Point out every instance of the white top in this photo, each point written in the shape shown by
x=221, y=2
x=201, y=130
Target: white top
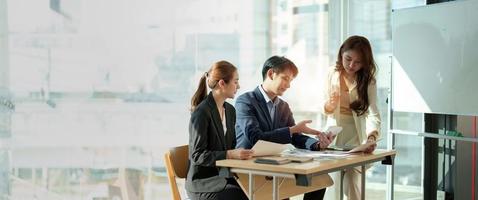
x=224, y=122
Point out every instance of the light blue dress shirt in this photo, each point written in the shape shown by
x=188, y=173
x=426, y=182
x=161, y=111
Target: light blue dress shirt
x=271, y=104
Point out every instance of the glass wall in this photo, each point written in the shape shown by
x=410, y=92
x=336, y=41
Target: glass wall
x=300, y=30
x=409, y=163
x=372, y=19
x=101, y=89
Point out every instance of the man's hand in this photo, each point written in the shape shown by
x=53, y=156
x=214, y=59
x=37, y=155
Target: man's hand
x=240, y=154
x=301, y=127
x=324, y=140
x=331, y=136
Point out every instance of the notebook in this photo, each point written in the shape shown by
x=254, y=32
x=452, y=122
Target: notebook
x=275, y=160
x=272, y=160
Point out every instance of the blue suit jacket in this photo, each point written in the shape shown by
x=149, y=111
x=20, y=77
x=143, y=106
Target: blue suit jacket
x=253, y=123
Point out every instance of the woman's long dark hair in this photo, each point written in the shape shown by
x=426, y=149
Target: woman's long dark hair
x=221, y=70
x=365, y=76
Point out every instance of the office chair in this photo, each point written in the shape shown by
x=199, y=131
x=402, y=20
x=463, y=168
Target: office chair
x=176, y=160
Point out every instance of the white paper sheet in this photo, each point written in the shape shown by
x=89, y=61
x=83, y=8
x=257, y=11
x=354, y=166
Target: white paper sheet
x=314, y=154
x=362, y=147
x=265, y=148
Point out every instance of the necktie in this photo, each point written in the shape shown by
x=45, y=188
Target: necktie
x=272, y=111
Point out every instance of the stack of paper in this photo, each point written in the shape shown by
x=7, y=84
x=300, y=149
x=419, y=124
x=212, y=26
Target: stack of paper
x=265, y=148
x=313, y=154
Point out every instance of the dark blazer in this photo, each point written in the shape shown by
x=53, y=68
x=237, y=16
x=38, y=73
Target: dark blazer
x=207, y=143
x=254, y=123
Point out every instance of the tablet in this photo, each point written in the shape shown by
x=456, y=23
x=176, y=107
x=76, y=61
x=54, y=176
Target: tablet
x=334, y=130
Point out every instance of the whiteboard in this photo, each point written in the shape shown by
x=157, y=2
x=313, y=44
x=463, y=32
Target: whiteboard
x=435, y=58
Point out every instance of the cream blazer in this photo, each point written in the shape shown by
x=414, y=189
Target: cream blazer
x=364, y=124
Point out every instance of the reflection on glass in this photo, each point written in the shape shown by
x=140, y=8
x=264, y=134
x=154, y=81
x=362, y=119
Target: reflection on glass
x=101, y=89
x=408, y=165
x=371, y=19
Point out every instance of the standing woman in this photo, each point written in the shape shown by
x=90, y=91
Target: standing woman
x=212, y=136
x=350, y=102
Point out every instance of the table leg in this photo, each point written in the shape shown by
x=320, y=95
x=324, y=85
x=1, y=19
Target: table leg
x=363, y=182
x=342, y=173
x=251, y=186
x=275, y=190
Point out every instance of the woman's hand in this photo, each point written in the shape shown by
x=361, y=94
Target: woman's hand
x=332, y=102
x=240, y=154
x=370, y=149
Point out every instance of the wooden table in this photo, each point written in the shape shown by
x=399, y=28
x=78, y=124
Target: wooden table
x=263, y=180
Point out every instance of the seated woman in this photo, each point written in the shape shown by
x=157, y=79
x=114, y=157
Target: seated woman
x=212, y=136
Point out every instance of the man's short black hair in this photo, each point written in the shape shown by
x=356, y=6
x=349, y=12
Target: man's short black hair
x=278, y=64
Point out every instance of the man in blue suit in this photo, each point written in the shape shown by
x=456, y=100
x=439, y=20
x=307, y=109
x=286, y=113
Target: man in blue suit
x=262, y=115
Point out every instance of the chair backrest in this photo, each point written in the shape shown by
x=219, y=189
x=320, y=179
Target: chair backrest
x=176, y=160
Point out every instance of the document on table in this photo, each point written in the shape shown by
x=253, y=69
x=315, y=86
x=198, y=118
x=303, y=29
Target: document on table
x=362, y=147
x=353, y=149
x=314, y=154
x=265, y=148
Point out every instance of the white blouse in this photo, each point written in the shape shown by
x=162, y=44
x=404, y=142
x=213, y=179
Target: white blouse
x=224, y=122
